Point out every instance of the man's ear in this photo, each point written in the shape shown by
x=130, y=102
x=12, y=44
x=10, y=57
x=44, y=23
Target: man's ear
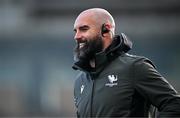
x=105, y=28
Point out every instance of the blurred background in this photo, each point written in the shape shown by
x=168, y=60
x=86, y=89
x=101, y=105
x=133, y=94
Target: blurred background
x=36, y=43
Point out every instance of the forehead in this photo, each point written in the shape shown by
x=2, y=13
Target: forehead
x=84, y=19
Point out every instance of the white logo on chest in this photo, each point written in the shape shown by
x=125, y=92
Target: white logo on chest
x=82, y=88
x=112, y=81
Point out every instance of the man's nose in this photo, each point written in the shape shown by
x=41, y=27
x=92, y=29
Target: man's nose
x=77, y=36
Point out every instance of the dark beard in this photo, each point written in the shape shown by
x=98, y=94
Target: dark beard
x=88, y=52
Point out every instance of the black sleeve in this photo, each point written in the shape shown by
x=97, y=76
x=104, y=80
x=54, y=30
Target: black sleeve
x=154, y=88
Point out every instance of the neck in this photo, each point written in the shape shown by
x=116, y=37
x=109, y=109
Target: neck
x=107, y=42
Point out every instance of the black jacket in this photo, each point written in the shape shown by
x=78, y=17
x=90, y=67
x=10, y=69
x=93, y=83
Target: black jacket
x=123, y=85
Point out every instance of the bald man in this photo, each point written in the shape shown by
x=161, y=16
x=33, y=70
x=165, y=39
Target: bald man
x=112, y=83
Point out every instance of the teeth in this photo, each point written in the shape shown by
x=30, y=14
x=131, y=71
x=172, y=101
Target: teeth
x=81, y=45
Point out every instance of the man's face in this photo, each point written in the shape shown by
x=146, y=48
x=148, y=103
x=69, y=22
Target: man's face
x=88, y=38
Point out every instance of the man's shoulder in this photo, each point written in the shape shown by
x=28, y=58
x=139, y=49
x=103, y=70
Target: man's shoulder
x=135, y=59
x=131, y=56
x=139, y=61
x=126, y=57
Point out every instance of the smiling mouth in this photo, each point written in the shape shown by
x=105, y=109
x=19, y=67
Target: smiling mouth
x=81, y=45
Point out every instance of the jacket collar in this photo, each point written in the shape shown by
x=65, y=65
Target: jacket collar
x=120, y=44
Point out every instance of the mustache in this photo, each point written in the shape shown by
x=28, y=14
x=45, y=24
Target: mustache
x=82, y=41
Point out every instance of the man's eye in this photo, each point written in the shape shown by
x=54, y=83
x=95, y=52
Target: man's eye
x=84, y=29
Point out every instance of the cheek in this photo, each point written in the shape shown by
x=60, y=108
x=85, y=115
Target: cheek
x=93, y=33
x=86, y=36
x=93, y=36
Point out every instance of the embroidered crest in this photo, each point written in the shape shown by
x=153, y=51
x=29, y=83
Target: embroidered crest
x=112, y=81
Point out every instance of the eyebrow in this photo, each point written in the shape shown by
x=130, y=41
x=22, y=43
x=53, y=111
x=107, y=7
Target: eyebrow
x=82, y=27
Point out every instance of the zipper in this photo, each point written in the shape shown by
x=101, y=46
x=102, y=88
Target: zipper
x=92, y=93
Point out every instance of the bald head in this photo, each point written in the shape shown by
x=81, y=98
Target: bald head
x=97, y=16
x=100, y=15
